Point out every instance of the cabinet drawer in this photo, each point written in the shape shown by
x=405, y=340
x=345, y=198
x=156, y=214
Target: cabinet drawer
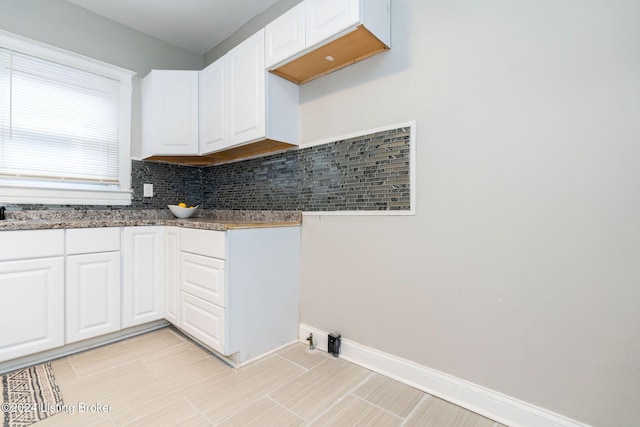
x=91, y=240
x=22, y=244
x=203, y=277
x=204, y=321
x=203, y=242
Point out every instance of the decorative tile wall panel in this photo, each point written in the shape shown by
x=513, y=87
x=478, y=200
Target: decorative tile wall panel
x=369, y=172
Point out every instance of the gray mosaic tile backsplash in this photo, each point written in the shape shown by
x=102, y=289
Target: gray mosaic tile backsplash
x=370, y=172
x=172, y=184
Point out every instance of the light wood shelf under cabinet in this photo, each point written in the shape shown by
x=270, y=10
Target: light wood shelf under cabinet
x=236, y=153
x=351, y=48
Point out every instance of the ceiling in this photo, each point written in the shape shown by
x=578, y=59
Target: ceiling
x=195, y=25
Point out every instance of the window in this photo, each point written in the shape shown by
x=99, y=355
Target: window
x=64, y=127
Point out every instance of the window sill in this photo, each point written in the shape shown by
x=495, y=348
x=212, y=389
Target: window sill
x=50, y=196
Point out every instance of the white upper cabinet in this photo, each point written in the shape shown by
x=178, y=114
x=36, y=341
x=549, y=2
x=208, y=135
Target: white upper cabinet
x=338, y=33
x=170, y=113
x=326, y=18
x=242, y=103
x=213, y=98
x=285, y=37
x=247, y=90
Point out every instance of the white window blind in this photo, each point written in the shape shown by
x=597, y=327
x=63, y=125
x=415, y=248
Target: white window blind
x=57, y=122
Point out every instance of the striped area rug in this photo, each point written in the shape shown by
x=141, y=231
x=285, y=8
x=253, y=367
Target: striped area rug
x=29, y=395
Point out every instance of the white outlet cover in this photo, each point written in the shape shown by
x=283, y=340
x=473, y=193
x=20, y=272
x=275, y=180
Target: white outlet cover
x=147, y=190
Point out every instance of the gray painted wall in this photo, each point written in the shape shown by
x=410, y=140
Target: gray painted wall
x=67, y=26
x=520, y=270
x=249, y=29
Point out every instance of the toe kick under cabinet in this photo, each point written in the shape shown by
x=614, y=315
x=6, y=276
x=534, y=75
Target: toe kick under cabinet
x=239, y=289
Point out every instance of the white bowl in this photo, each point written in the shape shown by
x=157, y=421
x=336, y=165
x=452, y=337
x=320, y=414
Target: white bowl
x=181, y=212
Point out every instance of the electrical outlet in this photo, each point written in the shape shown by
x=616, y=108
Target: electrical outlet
x=334, y=342
x=147, y=190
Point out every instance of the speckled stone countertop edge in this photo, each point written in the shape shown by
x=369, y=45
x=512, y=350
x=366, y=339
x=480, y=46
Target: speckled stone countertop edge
x=206, y=220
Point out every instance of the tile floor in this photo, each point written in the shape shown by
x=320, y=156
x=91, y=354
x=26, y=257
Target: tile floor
x=164, y=379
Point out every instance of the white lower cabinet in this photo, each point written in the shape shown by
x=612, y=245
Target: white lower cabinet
x=92, y=283
x=93, y=295
x=143, y=285
x=171, y=270
x=202, y=286
x=31, y=292
x=240, y=289
x=235, y=291
x=31, y=306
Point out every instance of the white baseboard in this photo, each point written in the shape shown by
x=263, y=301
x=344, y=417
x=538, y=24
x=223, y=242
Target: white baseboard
x=481, y=400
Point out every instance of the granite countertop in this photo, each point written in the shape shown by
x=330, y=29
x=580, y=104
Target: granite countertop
x=203, y=219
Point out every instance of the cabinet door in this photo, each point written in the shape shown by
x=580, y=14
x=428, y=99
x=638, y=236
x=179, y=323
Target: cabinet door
x=247, y=77
x=143, y=287
x=213, y=87
x=172, y=275
x=327, y=18
x=31, y=306
x=93, y=295
x=204, y=321
x=285, y=36
x=170, y=113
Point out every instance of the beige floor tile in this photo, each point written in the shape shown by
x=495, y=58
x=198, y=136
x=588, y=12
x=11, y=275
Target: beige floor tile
x=76, y=419
x=177, y=413
x=161, y=391
x=434, y=412
x=106, y=382
x=164, y=361
x=108, y=356
x=168, y=332
x=249, y=384
x=264, y=413
x=390, y=394
x=62, y=370
x=146, y=399
x=300, y=354
x=354, y=412
x=205, y=371
x=313, y=392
